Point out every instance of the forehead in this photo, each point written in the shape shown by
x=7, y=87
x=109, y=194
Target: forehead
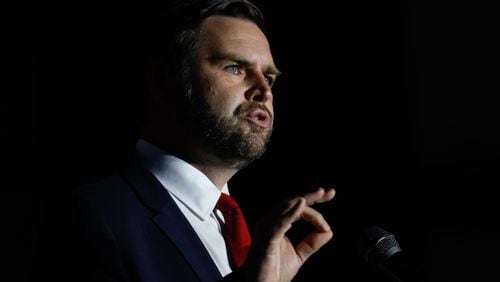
x=233, y=35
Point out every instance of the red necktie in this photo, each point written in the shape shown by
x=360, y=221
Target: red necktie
x=235, y=229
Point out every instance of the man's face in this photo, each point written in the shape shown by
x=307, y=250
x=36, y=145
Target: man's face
x=233, y=76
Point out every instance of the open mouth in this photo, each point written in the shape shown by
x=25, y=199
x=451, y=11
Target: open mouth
x=259, y=117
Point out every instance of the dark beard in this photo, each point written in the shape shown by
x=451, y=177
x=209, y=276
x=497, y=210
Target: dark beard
x=234, y=140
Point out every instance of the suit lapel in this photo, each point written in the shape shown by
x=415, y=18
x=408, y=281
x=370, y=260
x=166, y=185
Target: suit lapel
x=172, y=222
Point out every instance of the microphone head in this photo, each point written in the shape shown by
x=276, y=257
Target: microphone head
x=377, y=245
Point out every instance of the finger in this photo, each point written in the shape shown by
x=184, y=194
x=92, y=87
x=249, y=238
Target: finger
x=284, y=207
x=316, y=219
x=317, y=238
x=312, y=243
x=295, y=210
x=292, y=214
x=319, y=196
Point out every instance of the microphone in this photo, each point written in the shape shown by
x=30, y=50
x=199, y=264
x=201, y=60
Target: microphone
x=382, y=252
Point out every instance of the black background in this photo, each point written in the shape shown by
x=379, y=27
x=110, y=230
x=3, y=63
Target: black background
x=394, y=104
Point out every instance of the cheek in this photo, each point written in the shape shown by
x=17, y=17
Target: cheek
x=220, y=102
x=222, y=96
x=227, y=103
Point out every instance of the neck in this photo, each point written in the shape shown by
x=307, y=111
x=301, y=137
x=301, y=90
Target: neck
x=219, y=175
x=217, y=170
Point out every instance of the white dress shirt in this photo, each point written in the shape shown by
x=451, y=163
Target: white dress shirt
x=194, y=194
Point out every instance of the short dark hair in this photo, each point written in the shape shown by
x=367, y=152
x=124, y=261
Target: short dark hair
x=176, y=32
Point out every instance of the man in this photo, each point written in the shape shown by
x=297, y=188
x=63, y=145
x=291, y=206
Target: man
x=210, y=113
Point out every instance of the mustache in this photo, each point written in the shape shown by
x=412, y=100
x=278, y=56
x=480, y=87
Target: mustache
x=243, y=109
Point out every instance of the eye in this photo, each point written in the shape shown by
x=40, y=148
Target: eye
x=234, y=69
x=269, y=79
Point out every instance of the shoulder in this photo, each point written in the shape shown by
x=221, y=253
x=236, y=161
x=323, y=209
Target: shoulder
x=129, y=193
x=108, y=189
x=110, y=195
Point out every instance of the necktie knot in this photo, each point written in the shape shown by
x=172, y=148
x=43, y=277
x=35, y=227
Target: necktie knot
x=227, y=204
x=235, y=229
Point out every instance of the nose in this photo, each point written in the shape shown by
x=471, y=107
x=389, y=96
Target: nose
x=259, y=90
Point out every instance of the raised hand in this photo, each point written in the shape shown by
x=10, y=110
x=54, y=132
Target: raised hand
x=273, y=257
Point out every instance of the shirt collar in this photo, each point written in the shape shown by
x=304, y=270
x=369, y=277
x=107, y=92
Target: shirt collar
x=185, y=182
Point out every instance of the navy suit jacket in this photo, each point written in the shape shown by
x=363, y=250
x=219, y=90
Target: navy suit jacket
x=130, y=229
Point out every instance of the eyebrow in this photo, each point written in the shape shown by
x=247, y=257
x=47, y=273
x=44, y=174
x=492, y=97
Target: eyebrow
x=269, y=69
